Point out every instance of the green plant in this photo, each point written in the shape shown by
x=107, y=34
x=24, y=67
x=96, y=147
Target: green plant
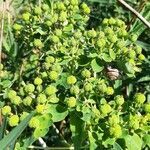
x=64, y=70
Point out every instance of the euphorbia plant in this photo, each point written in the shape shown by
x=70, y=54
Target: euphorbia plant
x=66, y=70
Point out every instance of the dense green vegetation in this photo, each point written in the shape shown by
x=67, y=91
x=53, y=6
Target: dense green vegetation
x=75, y=74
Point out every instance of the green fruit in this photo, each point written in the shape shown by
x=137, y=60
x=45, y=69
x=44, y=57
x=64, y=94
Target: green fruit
x=53, y=75
x=133, y=37
x=48, y=23
x=113, y=120
x=17, y=27
x=74, y=2
x=138, y=50
x=105, y=21
x=132, y=54
x=38, y=43
x=101, y=43
x=112, y=38
x=86, y=73
x=16, y=100
x=71, y=80
x=41, y=98
x=29, y=88
x=109, y=31
x=26, y=16
x=92, y=33
x=119, y=22
x=119, y=100
x=105, y=109
x=88, y=87
x=85, y=8
x=50, y=90
x=27, y=101
x=13, y=120
x=147, y=108
x=102, y=87
x=120, y=44
x=61, y=6
x=141, y=57
x=78, y=35
x=6, y=110
x=110, y=91
x=38, y=10
x=115, y=131
x=40, y=108
x=34, y=123
x=58, y=32
x=112, y=21
x=134, y=122
x=56, y=67
x=45, y=7
x=71, y=102
x=55, y=39
x=63, y=16
x=38, y=81
x=54, y=18
x=139, y=98
x=11, y=94
x=74, y=90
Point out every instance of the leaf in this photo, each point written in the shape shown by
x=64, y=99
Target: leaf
x=146, y=139
x=116, y=146
x=93, y=144
x=145, y=46
x=40, y=132
x=45, y=121
x=57, y=111
x=133, y=142
x=129, y=68
x=15, y=133
x=3, y=127
x=6, y=83
x=68, y=28
x=106, y=57
x=112, y=54
x=96, y=66
x=77, y=129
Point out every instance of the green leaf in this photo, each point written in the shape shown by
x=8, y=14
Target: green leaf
x=133, y=142
x=106, y=57
x=45, y=121
x=68, y=28
x=112, y=54
x=77, y=129
x=40, y=132
x=3, y=127
x=15, y=133
x=96, y=66
x=146, y=139
x=57, y=111
x=6, y=83
x=92, y=140
x=116, y=146
x=108, y=141
x=129, y=68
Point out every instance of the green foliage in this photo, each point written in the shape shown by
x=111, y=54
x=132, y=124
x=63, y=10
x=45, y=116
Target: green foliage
x=70, y=74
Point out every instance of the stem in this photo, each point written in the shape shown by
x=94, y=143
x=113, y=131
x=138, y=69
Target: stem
x=1, y=37
x=135, y=12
